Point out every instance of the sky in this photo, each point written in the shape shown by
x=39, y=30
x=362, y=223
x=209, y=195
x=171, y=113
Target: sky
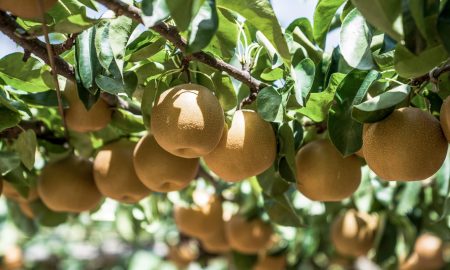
x=285, y=10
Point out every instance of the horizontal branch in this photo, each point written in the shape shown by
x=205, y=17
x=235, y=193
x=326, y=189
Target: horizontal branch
x=432, y=76
x=41, y=130
x=171, y=34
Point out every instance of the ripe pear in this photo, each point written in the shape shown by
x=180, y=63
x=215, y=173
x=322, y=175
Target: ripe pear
x=430, y=251
x=445, y=118
x=187, y=121
x=267, y=262
x=353, y=233
x=68, y=185
x=27, y=9
x=246, y=149
x=199, y=221
x=217, y=242
x=11, y=192
x=78, y=118
x=248, y=236
x=323, y=174
x=114, y=173
x=159, y=170
x=408, y=145
x=182, y=254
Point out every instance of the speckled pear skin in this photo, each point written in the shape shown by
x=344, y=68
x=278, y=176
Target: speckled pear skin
x=187, y=120
x=408, y=145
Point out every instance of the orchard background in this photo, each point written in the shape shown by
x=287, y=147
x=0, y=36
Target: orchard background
x=318, y=145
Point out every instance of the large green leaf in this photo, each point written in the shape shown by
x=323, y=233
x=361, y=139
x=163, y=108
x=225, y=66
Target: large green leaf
x=323, y=16
x=409, y=65
x=154, y=11
x=355, y=40
x=8, y=118
x=26, y=76
x=379, y=107
x=269, y=104
x=87, y=64
x=119, y=32
x=303, y=73
x=384, y=15
x=183, y=11
x=260, y=14
x=224, y=42
x=203, y=27
x=344, y=131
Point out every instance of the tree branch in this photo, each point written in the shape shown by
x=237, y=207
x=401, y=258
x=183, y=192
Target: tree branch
x=432, y=76
x=171, y=34
x=41, y=130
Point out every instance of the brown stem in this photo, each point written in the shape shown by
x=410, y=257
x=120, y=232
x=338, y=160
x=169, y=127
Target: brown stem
x=41, y=130
x=432, y=76
x=171, y=34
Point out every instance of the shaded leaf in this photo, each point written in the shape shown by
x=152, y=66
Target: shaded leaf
x=25, y=146
x=323, y=16
x=269, y=104
x=155, y=11
x=203, y=27
x=303, y=74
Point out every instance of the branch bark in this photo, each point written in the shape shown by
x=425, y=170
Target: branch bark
x=432, y=76
x=171, y=34
x=41, y=130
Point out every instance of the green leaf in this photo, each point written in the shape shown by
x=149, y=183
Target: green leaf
x=304, y=25
x=8, y=162
x=303, y=74
x=45, y=216
x=287, y=151
x=26, y=145
x=87, y=64
x=443, y=26
x=281, y=211
x=25, y=224
x=272, y=52
x=183, y=11
x=355, y=39
x=119, y=32
x=272, y=183
x=409, y=198
x=384, y=15
x=155, y=11
x=127, y=122
x=344, y=131
x=224, y=90
x=260, y=14
x=203, y=27
x=147, y=51
x=115, y=86
x=323, y=16
x=269, y=104
x=224, y=42
x=408, y=65
x=318, y=104
x=25, y=76
x=47, y=99
x=8, y=118
x=379, y=107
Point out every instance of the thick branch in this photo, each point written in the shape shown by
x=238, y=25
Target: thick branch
x=171, y=34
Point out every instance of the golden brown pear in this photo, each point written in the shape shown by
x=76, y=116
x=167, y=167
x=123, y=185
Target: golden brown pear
x=68, y=185
x=408, y=145
x=182, y=255
x=268, y=262
x=353, y=233
x=187, y=121
x=430, y=251
x=114, y=173
x=445, y=118
x=200, y=221
x=13, y=258
x=246, y=149
x=323, y=174
x=217, y=242
x=28, y=9
x=11, y=192
x=248, y=236
x=159, y=170
x=78, y=118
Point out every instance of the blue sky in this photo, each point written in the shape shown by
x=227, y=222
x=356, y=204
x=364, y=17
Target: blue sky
x=286, y=11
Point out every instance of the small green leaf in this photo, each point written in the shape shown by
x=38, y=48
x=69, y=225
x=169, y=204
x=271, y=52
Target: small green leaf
x=344, y=131
x=323, y=16
x=155, y=11
x=269, y=104
x=379, y=107
x=203, y=27
x=355, y=39
x=25, y=146
x=303, y=74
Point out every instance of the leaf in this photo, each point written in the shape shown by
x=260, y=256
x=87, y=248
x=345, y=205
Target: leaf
x=8, y=162
x=127, y=122
x=379, y=107
x=272, y=52
x=269, y=104
x=287, y=151
x=147, y=51
x=409, y=65
x=87, y=64
x=25, y=76
x=303, y=75
x=224, y=42
x=224, y=90
x=119, y=32
x=115, y=86
x=384, y=15
x=260, y=14
x=47, y=99
x=323, y=16
x=183, y=11
x=26, y=145
x=281, y=211
x=203, y=27
x=8, y=118
x=443, y=25
x=304, y=25
x=344, y=131
x=409, y=198
x=271, y=182
x=355, y=39
x=318, y=104
x=155, y=11
x=45, y=216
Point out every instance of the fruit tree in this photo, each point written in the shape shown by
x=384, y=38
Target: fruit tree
x=201, y=134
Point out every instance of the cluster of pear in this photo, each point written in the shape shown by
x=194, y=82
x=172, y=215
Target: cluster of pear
x=353, y=233
x=28, y=9
x=428, y=253
x=249, y=236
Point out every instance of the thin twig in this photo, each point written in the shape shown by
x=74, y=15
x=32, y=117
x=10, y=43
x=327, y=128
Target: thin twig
x=54, y=69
